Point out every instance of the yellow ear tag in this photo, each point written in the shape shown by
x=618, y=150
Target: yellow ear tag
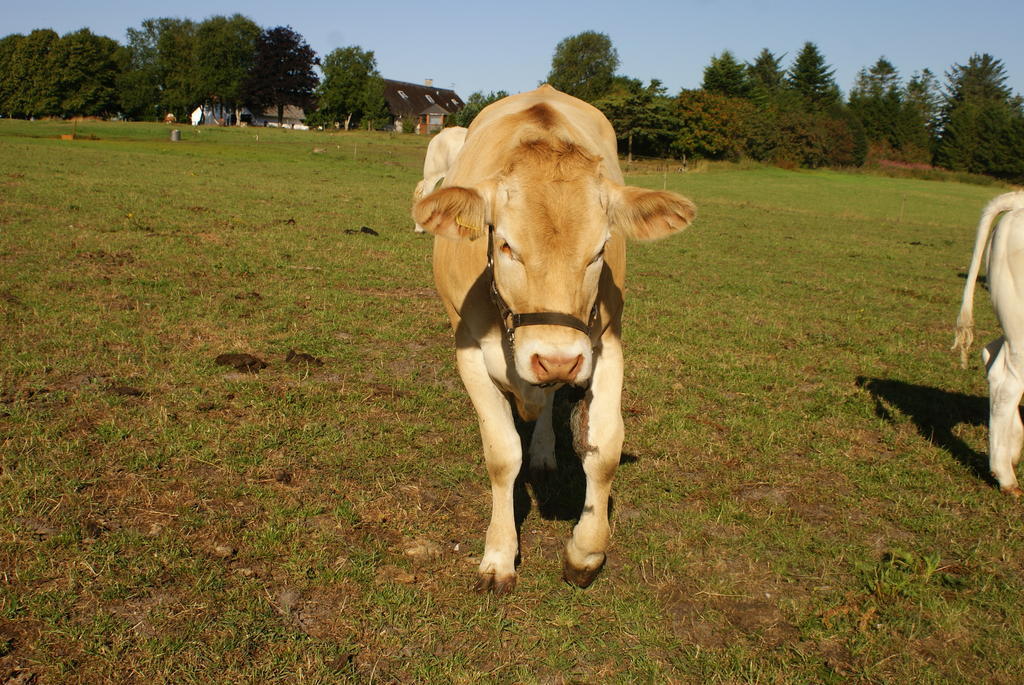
x=476, y=230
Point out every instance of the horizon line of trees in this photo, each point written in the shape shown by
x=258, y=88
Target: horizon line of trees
x=796, y=116
x=172, y=66
x=792, y=115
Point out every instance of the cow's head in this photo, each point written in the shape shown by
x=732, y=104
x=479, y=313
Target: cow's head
x=556, y=224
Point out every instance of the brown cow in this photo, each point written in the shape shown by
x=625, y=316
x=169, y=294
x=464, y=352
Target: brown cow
x=529, y=260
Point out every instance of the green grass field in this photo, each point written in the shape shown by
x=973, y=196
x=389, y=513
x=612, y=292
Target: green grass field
x=804, y=495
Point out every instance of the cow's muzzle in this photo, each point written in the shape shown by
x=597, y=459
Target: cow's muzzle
x=550, y=370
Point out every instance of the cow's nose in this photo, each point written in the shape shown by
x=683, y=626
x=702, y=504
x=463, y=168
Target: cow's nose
x=556, y=369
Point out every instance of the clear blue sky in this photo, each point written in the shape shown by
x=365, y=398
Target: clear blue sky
x=486, y=46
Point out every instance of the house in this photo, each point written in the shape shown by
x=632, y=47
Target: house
x=293, y=117
x=427, y=106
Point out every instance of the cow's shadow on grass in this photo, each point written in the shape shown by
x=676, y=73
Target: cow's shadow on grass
x=935, y=413
x=559, y=495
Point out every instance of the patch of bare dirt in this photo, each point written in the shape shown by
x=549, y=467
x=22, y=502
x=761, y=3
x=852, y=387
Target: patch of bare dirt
x=760, y=618
x=17, y=638
x=143, y=613
x=298, y=358
x=837, y=657
x=20, y=676
x=715, y=621
x=319, y=612
x=240, y=361
x=111, y=259
x=694, y=623
x=866, y=445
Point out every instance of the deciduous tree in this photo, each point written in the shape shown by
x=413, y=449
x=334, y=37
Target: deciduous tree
x=584, y=65
x=87, y=67
x=712, y=126
x=225, y=52
x=643, y=118
x=474, y=104
x=352, y=90
x=140, y=85
x=8, y=85
x=282, y=72
x=34, y=76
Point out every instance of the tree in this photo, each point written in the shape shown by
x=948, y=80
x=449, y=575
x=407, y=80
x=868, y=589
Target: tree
x=225, y=51
x=923, y=97
x=176, y=68
x=881, y=80
x=140, y=84
x=811, y=79
x=981, y=122
x=352, y=89
x=766, y=77
x=474, y=104
x=816, y=139
x=33, y=75
x=712, y=126
x=894, y=124
x=8, y=84
x=282, y=73
x=87, y=67
x=584, y=65
x=642, y=117
x=726, y=76
x=876, y=99
x=982, y=78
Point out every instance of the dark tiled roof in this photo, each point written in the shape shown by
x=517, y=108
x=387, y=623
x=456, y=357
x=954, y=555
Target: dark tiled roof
x=292, y=113
x=412, y=99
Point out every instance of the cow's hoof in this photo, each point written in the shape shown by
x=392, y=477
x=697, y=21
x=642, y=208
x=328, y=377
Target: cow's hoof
x=488, y=582
x=1013, y=490
x=580, y=577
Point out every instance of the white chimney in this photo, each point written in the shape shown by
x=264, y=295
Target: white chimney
x=429, y=83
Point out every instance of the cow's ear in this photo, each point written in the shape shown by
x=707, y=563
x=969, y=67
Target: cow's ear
x=648, y=214
x=453, y=213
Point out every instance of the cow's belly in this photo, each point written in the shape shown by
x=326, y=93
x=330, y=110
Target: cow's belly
x=1006, y=276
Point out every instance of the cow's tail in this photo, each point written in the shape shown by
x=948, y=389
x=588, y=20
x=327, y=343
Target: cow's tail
x=965, y=321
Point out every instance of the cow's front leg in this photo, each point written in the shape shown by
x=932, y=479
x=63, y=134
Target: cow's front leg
x=503, y=454
x=599, y=440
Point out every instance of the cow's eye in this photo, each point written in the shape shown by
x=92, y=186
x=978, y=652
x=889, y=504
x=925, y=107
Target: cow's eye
x=507, y=250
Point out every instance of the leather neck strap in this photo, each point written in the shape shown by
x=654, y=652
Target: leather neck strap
x=510, y=320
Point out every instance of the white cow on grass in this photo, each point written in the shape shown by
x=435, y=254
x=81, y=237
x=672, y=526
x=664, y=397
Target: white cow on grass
x=441, y=153
x=1003, y=357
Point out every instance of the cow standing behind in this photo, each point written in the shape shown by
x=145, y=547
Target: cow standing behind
x=1003, y=357
x=441, y=153
x=529, y=260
